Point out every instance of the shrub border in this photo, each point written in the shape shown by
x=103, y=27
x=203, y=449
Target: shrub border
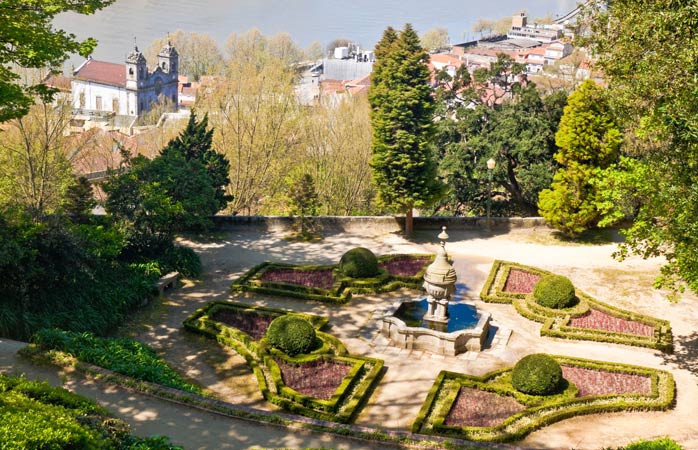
x=443, y=392
x=347, y=399
x=555, y=322
x=342, y=288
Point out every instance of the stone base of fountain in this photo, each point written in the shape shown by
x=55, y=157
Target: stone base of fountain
x=434, y=336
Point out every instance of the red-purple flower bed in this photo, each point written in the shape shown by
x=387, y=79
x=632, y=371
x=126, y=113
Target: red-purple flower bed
x=602, y=382
x=476, y=408
x=250, y=322
x=319, y=378
x=599, y=320
x=520, y=281
x=404, y=266
x=320, y=278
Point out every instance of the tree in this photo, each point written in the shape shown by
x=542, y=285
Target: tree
x=195, y=143
x=402, y=116
x=304, y=202
x=435, y=39
x=198, y=53
x=29, y=40
x=79, y=200
x=647, y=51
x=35, y=166
x=589, y=140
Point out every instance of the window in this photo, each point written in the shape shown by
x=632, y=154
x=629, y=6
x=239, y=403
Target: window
x=115, y=105
x=164, y=65
x=98, y=103
x=82, y=100
x=130, y=71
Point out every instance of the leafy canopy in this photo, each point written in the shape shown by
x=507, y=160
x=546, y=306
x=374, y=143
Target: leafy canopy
x=29, y=40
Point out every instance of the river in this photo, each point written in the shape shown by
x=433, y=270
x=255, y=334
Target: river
x=362, y=21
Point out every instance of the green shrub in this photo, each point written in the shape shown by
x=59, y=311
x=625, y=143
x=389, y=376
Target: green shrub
x=554, y=291
x=658, y=444
x=291, y=334
x=537, y=374
x=359, y=262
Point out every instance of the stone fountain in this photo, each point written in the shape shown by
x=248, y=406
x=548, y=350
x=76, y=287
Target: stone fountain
x=436, y=330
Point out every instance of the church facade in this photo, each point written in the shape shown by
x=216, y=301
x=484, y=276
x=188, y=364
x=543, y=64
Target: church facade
x=126, y=89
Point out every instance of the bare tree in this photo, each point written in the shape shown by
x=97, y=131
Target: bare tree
x=198, y=53
x=435, y=39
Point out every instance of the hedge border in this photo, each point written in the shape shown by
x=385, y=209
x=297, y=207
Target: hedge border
x=443, y=392
x=555, y=322
x=343, y=287
x=347, y=399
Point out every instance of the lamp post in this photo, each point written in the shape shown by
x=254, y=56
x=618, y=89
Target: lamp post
x=491, y=164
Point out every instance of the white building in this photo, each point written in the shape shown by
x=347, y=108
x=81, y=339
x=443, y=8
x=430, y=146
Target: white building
x=125, y=89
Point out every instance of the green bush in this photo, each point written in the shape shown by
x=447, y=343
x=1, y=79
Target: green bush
x=658, y=444
x=291, y=334
x=537, y=374
x=359, y=262
x=554, y=291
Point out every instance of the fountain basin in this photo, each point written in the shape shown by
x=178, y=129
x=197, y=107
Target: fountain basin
x=466, y=330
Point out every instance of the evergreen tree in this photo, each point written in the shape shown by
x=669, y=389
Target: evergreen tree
x=79, y=200
x=402, y=116
x=195, y=143
x=304, y=202
x=589, y=140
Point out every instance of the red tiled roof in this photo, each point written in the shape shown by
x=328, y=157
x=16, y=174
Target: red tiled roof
x=102, y=72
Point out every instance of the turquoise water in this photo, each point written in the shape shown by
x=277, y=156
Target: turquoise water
x=461, y=316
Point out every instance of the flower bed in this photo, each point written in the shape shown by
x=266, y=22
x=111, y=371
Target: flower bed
x=489, y=408
x=405, y=266
x=477, y=408
x=521, y=281
x=603, y=382
x=590, y=319
x=318, y=378
x=320, y=278
x=251, y=322
x=599, y=320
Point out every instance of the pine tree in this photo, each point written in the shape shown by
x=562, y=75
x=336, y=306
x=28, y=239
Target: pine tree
x=402, y=116
x=79, y=200
x=195, y=143
x=588, y=140
x=304, y=202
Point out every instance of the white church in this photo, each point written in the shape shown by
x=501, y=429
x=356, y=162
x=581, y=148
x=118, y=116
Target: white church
x=125, y=89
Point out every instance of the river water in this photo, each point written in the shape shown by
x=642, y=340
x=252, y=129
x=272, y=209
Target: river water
x=361, y=21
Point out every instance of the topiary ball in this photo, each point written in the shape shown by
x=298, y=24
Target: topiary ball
x=537, y=374
x=359, y=262
x=554, y=291
x=291, y=334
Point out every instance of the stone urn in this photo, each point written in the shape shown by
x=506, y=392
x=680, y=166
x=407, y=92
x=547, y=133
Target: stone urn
x=439, y=283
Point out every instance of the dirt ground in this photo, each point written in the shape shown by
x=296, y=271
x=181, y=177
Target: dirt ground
x=393, y=406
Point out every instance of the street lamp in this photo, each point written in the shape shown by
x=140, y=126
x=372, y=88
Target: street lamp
x=491, y=164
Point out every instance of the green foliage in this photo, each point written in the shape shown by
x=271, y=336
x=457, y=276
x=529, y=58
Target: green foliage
x=31, y=41
x=537, y=374
x=657, y=444
x=292, y=335
x=195, y=144
x=304, y=202
x=79, y=200
x=517, y=130
x=359, y=262
x=402, y=109
x=554, y=291
x=648, y=61
x=150, y=443
x=589, y=141
x=121, y=355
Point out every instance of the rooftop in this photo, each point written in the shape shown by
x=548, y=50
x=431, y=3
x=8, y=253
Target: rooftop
x=102, y=72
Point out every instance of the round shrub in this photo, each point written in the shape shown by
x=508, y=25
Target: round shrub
x=359, y=262
x=291, y=334
x=537, y=374
x=554, y=291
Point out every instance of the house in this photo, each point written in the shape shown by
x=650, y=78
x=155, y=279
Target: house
x=520, y=29
x=100, y=87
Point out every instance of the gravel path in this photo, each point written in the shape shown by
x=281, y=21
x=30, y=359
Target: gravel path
x=409, y=376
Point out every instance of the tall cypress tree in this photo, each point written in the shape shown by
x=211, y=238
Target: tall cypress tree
x=402, y=116
x=195, y=143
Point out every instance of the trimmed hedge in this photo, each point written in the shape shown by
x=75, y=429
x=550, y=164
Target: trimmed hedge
x=555, y=321
x=537, y=374
x=342, y=288
x=347, y=399
x=540, y=410
x=291, y=334
x=554, y=291
x=358, y=262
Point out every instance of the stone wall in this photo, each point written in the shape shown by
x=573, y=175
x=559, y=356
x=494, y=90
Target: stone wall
x=378, y=224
